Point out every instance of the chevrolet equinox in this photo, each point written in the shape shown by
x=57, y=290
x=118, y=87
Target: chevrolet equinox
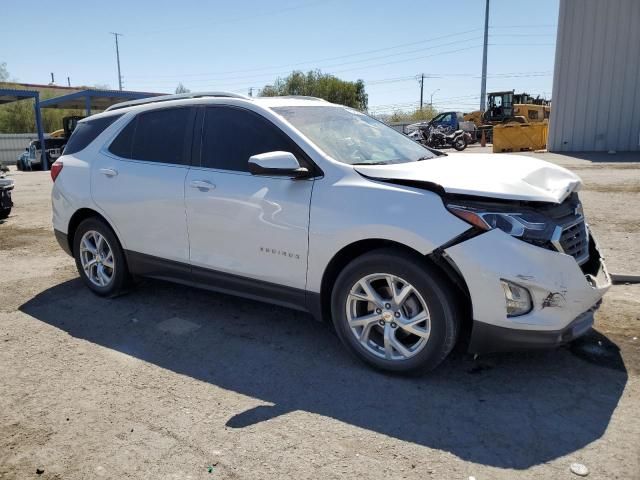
x=321, y=208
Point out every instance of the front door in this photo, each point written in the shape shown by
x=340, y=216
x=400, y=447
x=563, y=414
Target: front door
x=254, y=227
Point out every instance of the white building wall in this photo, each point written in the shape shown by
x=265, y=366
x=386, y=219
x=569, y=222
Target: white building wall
x=596, y=83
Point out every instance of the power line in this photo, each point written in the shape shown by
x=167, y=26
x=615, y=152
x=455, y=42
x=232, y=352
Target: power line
x=288, y=67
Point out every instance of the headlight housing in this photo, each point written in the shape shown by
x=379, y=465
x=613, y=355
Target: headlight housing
x=528, y=225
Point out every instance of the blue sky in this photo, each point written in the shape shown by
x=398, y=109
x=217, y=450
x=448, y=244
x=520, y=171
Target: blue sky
x=222, y=45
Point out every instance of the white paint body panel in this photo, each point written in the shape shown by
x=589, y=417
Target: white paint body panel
x=253, y=226
x=146, y=201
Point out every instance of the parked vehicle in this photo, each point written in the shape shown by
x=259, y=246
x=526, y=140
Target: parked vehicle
x=54, y=145
x=449, y=122
x=318, y=207
x=33, y=161
x=6, y=186
x=439, y=137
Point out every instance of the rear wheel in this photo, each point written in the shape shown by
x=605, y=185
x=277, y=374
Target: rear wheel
x=4, y=213
x=99, y=258
x=395, y=311
x=460, y=143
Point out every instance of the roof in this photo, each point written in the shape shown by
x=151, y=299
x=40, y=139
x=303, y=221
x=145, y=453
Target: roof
x=99, y=99
x=204, y=98
x=9, y=95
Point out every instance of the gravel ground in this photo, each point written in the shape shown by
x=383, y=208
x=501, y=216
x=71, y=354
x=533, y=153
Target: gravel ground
x=174, y=383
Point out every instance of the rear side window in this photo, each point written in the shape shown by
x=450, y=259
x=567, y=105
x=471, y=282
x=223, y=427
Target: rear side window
x=232, y=135
x=156, y=136
x=86, y=132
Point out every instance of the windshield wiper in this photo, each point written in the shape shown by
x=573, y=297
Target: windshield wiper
x=423, y=158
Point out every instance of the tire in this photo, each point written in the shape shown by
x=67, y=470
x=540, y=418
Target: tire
x=436, y=337
x=115, y=269
x=460, y=143
x=4, y=213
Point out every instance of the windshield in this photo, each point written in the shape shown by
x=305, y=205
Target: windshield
x=353, y=137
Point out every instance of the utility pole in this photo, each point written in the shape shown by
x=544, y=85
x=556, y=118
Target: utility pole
x=53, y=80
x=116, y=35
x=431, y=99
x=421, y=90
x=483, y=87
x=68, y=81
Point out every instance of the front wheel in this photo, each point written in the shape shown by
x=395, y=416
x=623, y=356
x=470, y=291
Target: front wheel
x=4, y=213
x=395, y=311
x=99, y=258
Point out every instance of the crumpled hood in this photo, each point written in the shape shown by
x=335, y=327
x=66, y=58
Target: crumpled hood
x=510, y=177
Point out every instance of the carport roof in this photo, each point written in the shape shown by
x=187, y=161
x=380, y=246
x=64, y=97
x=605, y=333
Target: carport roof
x=94, y=99
x=9, y=95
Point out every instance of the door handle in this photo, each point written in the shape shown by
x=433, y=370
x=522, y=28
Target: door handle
x=202, y=185
x=109, y=172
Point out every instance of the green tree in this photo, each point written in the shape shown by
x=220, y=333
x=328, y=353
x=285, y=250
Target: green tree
x=182, y=89
x=427, y=113
x=322, y=85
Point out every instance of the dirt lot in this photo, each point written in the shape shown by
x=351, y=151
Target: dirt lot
x=171, y=383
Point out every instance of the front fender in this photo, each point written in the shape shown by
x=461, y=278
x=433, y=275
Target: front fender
x=356, y=209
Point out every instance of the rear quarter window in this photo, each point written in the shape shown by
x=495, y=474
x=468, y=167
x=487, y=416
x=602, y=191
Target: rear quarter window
x=86, y=132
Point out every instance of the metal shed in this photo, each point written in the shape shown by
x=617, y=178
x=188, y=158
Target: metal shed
x=596, y=83
x=91, y=99
x=9, y=95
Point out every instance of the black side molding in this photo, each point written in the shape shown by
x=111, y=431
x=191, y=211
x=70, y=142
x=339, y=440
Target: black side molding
x=178, y=272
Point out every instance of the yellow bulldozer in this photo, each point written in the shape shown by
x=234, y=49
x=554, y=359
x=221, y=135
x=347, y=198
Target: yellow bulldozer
x=509, y=107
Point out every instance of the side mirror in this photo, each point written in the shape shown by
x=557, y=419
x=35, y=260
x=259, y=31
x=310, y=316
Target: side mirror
x=281, y=164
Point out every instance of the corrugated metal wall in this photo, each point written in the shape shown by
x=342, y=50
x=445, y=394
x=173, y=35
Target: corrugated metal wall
x=596, y=83
x=13, y=144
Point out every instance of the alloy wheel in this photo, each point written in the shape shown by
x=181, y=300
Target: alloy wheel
x=388, y=316
x=97, y=258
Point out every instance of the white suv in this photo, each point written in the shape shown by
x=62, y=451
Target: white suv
x=318, y=207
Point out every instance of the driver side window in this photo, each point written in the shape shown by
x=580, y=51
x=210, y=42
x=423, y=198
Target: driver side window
x=231, y=135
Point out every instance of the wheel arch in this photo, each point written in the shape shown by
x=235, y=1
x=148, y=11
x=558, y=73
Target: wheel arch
x=436, y=258
x=78, y=217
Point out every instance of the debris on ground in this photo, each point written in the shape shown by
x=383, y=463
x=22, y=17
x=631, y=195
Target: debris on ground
x=579, y=469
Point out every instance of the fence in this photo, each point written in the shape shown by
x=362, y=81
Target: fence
x=13, y=144
x=400, y=126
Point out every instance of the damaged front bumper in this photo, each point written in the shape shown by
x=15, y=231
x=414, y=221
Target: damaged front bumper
x=564, y=295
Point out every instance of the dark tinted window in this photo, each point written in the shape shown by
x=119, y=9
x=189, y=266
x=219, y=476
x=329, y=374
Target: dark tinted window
x=156, y=136
x=86, y=132
x=232, y=135
x=123, y=143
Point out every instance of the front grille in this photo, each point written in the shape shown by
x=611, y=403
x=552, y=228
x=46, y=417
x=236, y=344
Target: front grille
x=571, y=236
x=574, y=240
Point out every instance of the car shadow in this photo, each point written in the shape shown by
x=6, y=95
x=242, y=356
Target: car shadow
x=507, y=411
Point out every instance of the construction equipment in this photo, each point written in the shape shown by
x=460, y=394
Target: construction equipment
x=509, y=107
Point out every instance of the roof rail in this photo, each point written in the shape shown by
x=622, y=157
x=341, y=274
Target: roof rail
x=179, y=96
x=302, y=97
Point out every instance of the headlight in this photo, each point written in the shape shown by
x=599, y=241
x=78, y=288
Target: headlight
x=523, y=224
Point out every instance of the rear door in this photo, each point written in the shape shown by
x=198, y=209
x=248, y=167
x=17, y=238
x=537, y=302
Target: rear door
x=138, y=182
x=250, y=226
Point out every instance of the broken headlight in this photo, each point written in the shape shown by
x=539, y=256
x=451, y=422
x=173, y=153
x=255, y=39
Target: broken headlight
x=528, y=225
